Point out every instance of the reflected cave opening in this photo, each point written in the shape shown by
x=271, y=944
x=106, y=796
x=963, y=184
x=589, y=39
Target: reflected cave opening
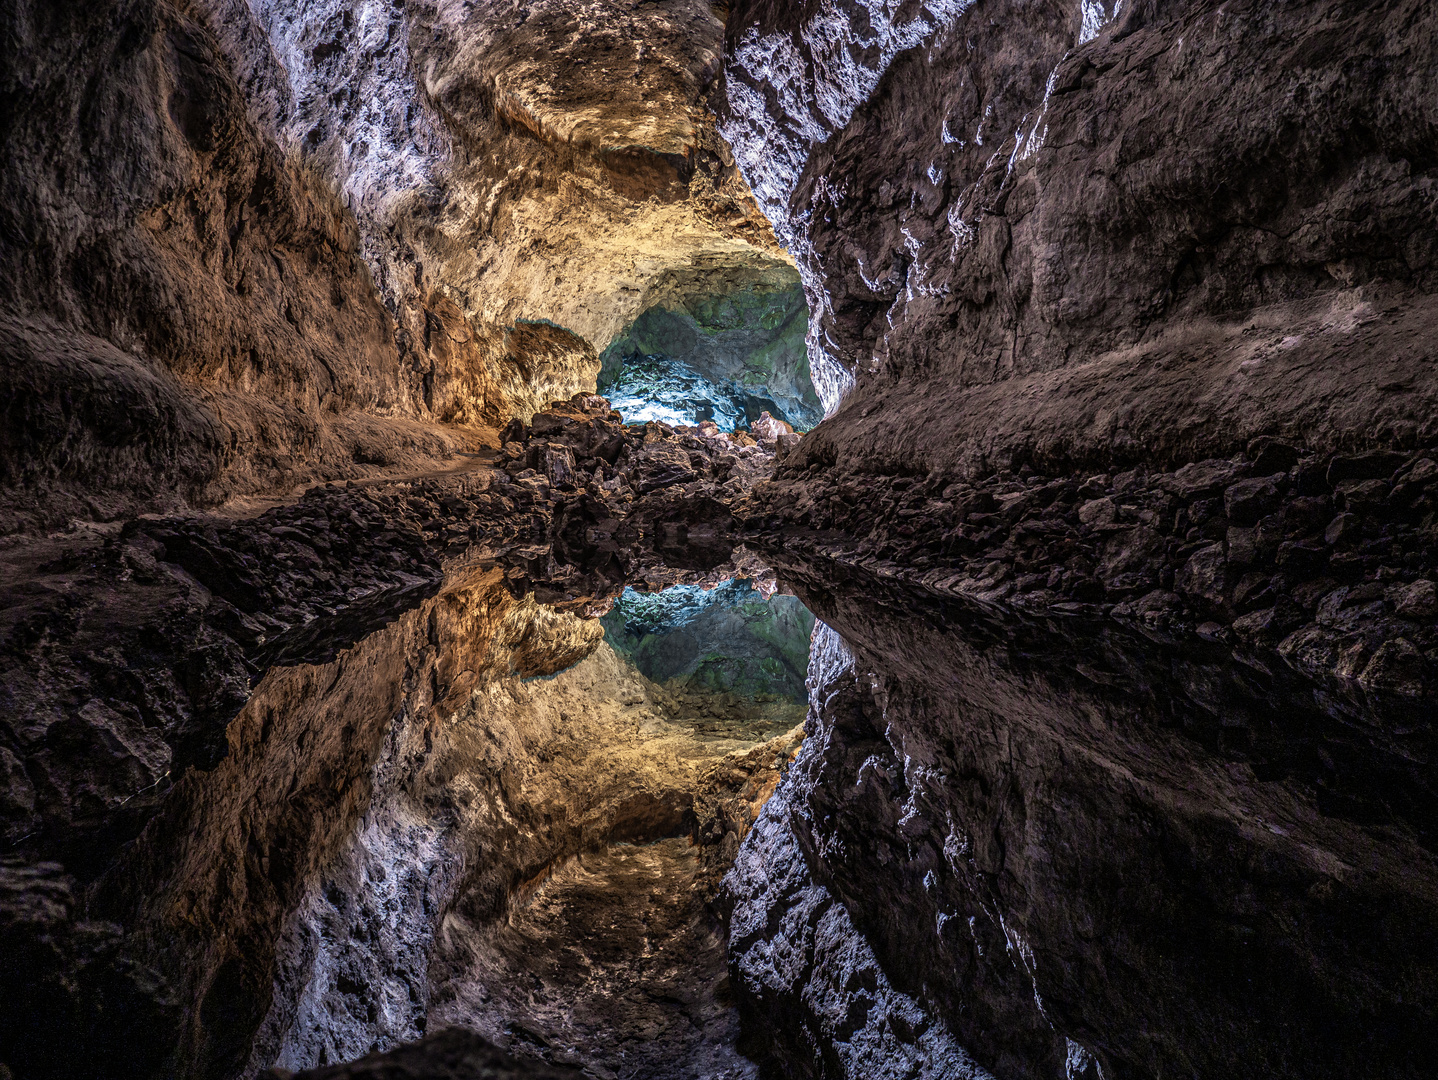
x=736, y=655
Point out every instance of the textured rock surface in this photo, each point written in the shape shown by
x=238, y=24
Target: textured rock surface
x=1124, y=511
x=187, y=315
x=523, y=165
x=275, y=243
x=1037, y=233
x=1076, y=846
x=1328, y=559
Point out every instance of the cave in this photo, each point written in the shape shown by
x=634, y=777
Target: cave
x=848, y=540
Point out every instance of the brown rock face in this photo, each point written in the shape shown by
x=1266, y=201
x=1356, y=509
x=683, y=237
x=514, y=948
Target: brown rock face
x=269, y=244
x=1123, y=314
x=1048, y=236
x=518, y=166
x=1123, y=526
x=187, y=314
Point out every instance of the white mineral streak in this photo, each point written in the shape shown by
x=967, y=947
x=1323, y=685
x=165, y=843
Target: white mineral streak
x=846, y=48
x=818, y=957
x=356, y=108
x=1077, y=1061
x=1033, y=142
x=1095, y=15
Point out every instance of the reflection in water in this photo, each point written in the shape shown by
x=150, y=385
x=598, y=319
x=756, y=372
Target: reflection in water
x=539, y=853
x=1088, y=850
x=731, y=641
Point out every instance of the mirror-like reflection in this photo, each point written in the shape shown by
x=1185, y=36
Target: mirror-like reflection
x=1083, y=850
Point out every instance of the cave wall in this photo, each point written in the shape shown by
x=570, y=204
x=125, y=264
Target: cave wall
x=187, y=313
x=518, y=164
x=1062, y=233
x=260, y=245
x=1080, y=850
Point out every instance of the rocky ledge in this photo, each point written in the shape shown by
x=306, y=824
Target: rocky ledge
x=1329, y=559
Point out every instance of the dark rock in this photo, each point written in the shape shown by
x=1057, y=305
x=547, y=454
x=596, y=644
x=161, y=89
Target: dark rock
x=1305, y=516
x=1341, y=529
x=1253, y=590
x=1398, y=667
x=1097, y=512
x=1373, y=465
x=1205, y=576
x=1417, y=600
x=1248, y=500
x=1302, y=558
x=1272, y=455
x=1242, y=547
x=1204, y=479
x=1362, y=495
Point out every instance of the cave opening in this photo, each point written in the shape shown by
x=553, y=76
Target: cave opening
x=719, y=349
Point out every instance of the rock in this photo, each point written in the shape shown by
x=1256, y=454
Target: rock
x=1373, y=465
x=1397, y=667
x=1303, y=558
x=1203, y=479
x=559, y=466
x=1098, y=512
x=1305, y=515
x=768, y=428
x=1418, y=600
x=1362, y=495
x=1248, y=500
x=1269, y=624
x=1205, y=576
x=1242, y=546
x=660, y=465
x=1272, y=455
x=1342, y=528
x=1253, y=589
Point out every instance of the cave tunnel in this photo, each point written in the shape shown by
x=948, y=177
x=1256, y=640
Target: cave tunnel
x=851, y=540
x=727, y=358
